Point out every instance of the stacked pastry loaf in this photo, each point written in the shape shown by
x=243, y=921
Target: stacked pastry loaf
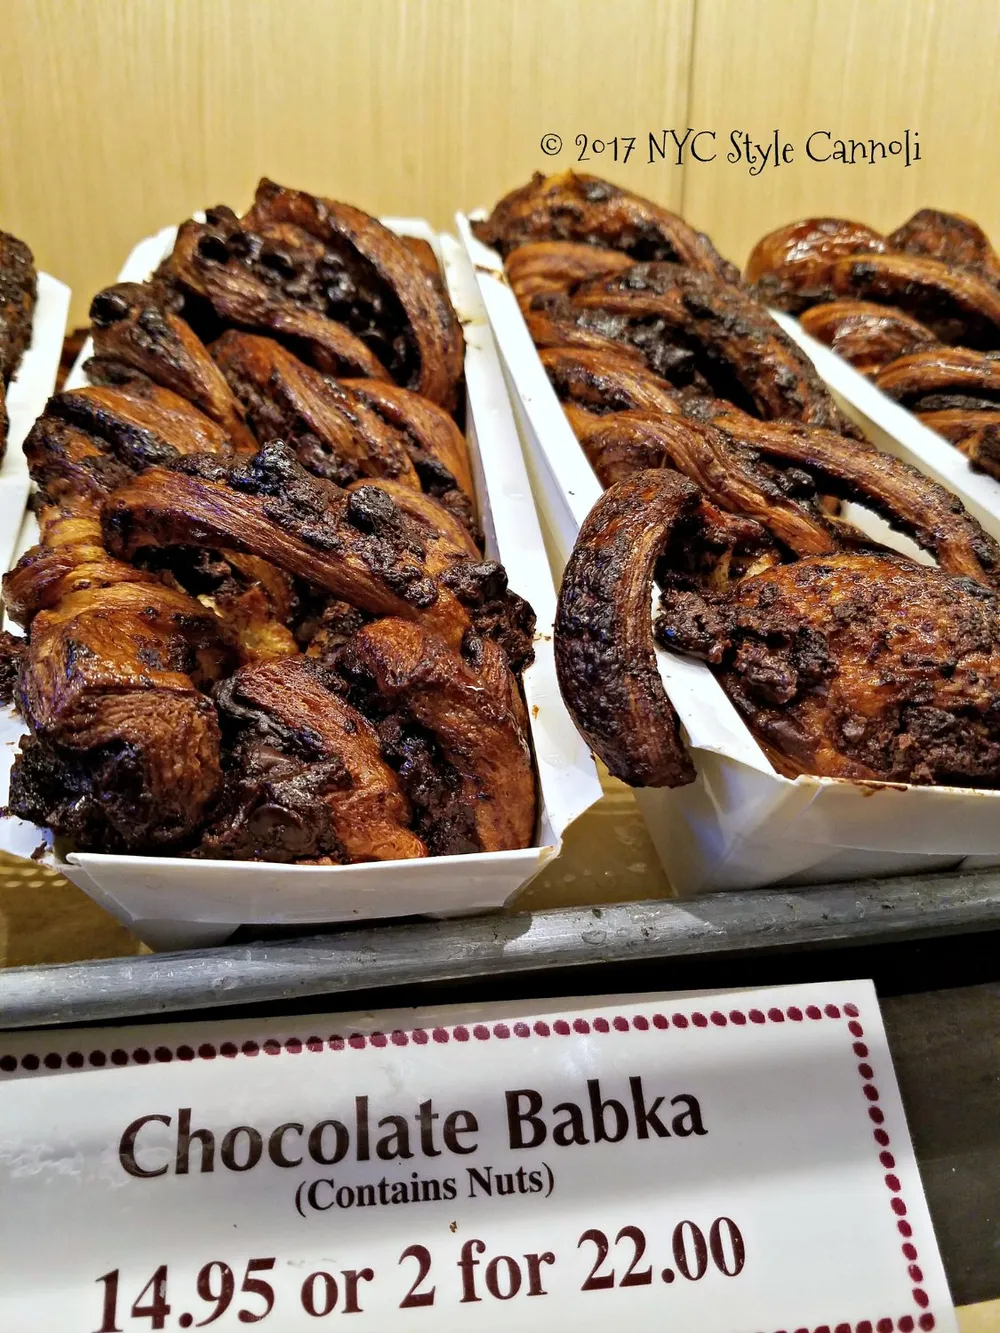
x=259, y=622
x=18, y=290
x=725, y=458
x=918, y=311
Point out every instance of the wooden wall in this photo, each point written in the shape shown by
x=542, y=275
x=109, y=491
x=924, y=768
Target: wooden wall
x=117, y=116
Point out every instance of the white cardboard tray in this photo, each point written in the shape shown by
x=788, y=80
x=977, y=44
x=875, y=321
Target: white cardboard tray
x=170, y=902
x=740, y=825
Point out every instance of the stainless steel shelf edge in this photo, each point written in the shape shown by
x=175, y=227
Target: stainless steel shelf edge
x=867, y=911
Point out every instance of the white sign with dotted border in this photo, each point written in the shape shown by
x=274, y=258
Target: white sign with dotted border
x=734, y=1163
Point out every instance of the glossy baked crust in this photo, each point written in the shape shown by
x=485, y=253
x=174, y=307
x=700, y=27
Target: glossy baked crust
x=866, y=334
x=949, y=237
x=943, y=371
x=956, y=305
x=225, y=525
x=357, y=545
x=91, y=440
x=791, y=268
x=581, y=208
x=917, y=312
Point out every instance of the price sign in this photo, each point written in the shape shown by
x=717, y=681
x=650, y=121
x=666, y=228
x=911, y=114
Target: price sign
x=728, y=1163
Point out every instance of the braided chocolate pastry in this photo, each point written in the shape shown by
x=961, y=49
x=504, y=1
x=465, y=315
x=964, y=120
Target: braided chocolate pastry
x=866, y=334
x=792, y=268
x=950, y=237
x=436, y=446
x=328, y=278
x=601, y=274
x=259, y=623
x=18, y=292
x=357, y=545
x=853, y=664
x=434, y=705
x=580, y=208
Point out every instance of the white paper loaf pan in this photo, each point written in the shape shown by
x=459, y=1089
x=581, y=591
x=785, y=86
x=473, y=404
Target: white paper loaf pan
x=740, y=824
x=171, y=902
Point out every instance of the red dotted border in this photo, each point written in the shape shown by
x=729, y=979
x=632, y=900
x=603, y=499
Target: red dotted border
x=142, y=1055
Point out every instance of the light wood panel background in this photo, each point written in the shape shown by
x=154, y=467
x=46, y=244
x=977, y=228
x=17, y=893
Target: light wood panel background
x=117, y=116
x=862, y=69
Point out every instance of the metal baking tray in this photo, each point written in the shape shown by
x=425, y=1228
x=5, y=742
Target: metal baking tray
x=345, y=962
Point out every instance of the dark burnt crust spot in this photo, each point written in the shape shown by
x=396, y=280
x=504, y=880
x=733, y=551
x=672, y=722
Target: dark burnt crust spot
x=497, y=613
x=12, y=654
x=109, y=307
